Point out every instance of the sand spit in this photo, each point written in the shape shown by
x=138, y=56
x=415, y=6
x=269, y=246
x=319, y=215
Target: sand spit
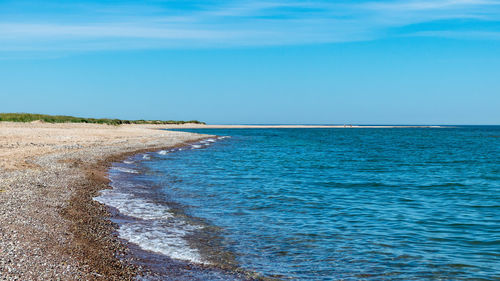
x=201, y=126
x=50, y=228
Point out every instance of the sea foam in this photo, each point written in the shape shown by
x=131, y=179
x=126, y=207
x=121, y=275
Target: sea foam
x=152, y=226
x=133, y=206
x=124, y=170
x=164, y=238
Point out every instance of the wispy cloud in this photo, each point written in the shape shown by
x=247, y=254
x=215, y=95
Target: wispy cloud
x=476, y=35
x=419, y=5
x=234, y=23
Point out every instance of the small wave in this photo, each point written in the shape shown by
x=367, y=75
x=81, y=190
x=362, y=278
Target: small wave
x=149, y=224
x=124, y=170
x=194, y=146
x=223, y=137
x=446, y=184
x=133, y=206
x=163, y=238
x=210, y=140
x=128, y=162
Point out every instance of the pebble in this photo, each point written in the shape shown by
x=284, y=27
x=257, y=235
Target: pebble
x=36, y=241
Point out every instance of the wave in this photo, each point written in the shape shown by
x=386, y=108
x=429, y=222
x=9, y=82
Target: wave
x=162, y=237
x=157, y=229
x=133, y=206
x=207, y=142
x=149, y=224
x=124, y=170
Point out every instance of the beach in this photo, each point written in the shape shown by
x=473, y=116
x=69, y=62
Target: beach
x=250, y=140
x=49, y=225
x=50, y=228
x=273, y=186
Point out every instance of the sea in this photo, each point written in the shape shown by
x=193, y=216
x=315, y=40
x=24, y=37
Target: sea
x=315, y=204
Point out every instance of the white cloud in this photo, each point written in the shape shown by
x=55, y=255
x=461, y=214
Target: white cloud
x=427, y=5
x=481, y=35
x=243, y=23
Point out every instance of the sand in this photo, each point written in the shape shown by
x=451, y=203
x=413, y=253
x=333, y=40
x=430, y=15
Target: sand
x=50, y=228
x=20, y=143
x=201, y=126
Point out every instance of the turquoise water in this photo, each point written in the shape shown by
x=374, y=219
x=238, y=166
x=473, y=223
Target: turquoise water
x=353, y=204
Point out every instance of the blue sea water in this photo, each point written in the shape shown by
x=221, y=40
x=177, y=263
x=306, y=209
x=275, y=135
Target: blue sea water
x=327, y=204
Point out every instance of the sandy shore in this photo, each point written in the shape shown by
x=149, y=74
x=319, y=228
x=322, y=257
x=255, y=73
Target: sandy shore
x=50, y=228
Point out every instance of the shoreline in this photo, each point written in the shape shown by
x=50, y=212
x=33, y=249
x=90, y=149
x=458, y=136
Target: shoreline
x=50, y=226
x=201, y=126
x=95, y=234
x=158, y=265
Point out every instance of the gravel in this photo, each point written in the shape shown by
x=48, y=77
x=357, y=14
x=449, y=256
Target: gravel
x=50, y=228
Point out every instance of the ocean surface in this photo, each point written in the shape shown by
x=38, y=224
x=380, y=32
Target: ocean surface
x=318, y=204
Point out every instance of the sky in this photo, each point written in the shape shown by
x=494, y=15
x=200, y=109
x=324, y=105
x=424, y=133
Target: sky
x=254, y=62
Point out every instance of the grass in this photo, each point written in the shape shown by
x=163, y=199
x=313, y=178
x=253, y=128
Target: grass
x=28, y=117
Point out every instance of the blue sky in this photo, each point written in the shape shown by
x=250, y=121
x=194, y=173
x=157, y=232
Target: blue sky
x=366, y=62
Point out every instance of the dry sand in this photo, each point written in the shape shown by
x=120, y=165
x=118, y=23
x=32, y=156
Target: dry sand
x=50, y=228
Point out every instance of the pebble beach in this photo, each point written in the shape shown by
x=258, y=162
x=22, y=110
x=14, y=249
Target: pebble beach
x=50, y=228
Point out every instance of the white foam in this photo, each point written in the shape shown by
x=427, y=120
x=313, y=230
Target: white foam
x=196, y=146
x=163, y=152
x=128, y=162
x=133, y=206
x=125, y=170
x=210, y=140
x=223, y=137
x=146, y=156
x=163, y=238
x=157, y=229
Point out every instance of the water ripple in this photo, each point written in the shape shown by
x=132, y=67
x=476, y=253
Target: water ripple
x=372, y=204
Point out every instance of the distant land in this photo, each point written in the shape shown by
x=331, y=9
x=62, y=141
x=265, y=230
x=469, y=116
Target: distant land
x=29, y=117
x=205, y=126
x=176, y=124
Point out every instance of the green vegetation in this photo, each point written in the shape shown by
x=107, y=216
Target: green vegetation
x=28, y=117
